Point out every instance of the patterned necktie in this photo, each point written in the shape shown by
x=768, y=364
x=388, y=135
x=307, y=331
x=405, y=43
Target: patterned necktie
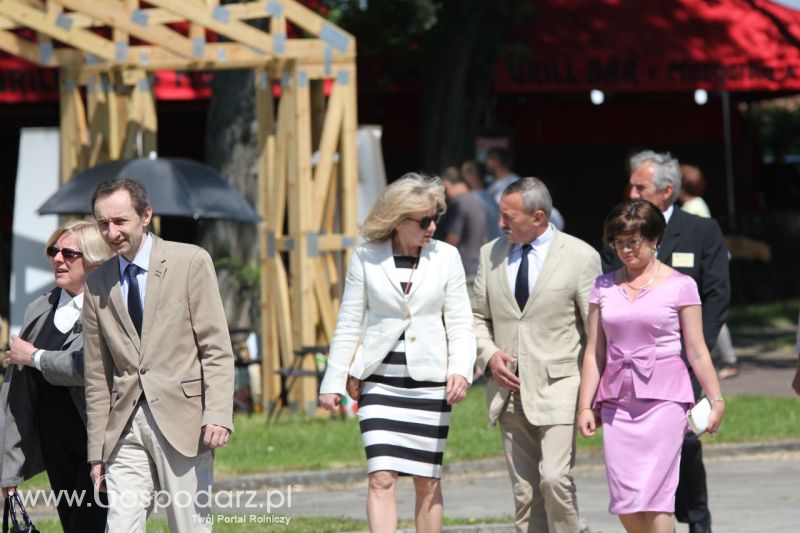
x=521, y=290
x=134, y=301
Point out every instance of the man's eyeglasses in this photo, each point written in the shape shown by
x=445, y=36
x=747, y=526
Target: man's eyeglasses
x=631, y=244
x=425, y=222
x=67, y=253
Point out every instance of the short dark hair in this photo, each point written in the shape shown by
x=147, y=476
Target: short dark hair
x=501, y=155
x=451, y=175
x=634, y=216
x=135, y=189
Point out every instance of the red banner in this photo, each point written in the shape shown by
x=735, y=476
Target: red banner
x=654, y=45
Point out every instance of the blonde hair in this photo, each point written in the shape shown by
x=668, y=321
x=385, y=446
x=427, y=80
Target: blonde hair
x=411, y=194
x=94, y=248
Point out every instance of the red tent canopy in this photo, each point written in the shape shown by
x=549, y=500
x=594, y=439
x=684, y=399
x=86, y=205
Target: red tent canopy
x=654, y=45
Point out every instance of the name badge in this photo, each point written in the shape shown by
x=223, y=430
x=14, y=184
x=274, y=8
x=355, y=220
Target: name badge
x=683, y=260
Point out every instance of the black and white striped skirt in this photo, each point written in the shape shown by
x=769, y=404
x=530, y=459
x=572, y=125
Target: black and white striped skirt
x=404, y=422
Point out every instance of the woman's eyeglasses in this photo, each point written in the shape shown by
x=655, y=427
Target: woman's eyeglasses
x=631, y=244
x=67, y=253
x=425, y=222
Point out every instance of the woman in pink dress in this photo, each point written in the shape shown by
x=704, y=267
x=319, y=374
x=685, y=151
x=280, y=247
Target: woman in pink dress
x=633, y=375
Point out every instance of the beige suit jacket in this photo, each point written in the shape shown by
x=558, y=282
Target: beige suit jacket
x=183, y=362
x=547, y=336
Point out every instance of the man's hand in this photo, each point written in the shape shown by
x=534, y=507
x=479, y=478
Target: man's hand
x=456, y=388
x=98, y=477
x=215, y=436
x=502, y=366
x=8, y=491
x=19, y=351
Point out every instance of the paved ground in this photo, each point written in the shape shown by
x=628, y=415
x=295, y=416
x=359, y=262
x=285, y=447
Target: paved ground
x=754, y=494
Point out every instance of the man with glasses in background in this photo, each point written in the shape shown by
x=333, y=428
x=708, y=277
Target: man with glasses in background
x=694, y=246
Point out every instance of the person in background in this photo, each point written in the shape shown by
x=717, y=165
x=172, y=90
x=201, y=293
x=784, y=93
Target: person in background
x=42, y=404
x=530, y=306
x=405, y=331
x=465, y=224
x=498, y=165
x=633, y=374
x=474, y=175
x=693, y=185
x=693, y=246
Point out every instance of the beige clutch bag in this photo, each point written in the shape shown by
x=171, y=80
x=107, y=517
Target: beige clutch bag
x=697, y=416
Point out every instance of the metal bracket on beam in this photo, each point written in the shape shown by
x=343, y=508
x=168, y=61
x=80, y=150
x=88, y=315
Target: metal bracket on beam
x=312, y=247
x=144, y=85
x=328, y=61
x=198, y=46
x=285, y=80
x=46, y=51
x=140, y=17
x=222, y=54
x=272, y=244
x=89, y=84
x=221, y=14
x=263, y=80
x=334, y=37
x=70, y=83
x=143, y=58
x=279, y=43
x=348, y=242
x=121, y=51
x=64, y=21
x=91, y=59
x=343, y=78
x=274, y=8
x=302, y=79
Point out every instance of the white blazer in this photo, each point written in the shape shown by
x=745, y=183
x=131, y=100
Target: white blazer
x=435, y=317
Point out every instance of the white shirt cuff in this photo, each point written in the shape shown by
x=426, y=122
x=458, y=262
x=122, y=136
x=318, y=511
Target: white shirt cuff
x=37, y=359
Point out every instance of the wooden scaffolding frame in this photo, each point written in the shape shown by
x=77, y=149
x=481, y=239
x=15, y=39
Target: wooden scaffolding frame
x=307, y=168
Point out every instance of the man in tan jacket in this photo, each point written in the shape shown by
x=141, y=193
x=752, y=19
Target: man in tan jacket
x=531, y=304
x=158, y=368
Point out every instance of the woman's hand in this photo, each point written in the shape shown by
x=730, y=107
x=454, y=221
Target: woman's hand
x=715, y=416
x=20, y=351
x=587, y=423
x=456, y=388
x=330, y=401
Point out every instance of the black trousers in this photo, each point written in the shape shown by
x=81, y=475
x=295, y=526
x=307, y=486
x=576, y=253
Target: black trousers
x=691, y=496
x=63, y=440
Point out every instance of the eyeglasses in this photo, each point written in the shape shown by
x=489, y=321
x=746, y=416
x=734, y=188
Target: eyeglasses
x=67, y=253
x=425, y=222
x=631, y=244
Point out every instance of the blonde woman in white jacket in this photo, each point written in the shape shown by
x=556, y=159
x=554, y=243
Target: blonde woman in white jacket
x=405, y=330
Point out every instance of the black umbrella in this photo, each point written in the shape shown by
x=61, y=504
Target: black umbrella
x=175, y=186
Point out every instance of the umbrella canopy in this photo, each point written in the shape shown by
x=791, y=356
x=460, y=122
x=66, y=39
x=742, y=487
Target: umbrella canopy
x=175, y=186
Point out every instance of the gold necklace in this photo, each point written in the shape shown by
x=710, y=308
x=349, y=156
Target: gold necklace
x=650, y=282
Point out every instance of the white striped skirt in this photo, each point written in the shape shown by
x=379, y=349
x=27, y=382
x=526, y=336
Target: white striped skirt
x=404, y=422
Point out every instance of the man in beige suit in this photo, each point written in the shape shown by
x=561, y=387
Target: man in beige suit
x=158, y=368
x=531, y=303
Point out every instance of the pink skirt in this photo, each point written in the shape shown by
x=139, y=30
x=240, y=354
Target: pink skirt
x=642, y=442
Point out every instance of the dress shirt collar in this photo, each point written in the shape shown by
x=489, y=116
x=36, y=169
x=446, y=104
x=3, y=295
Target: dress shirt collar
x=668, y=213
x=68, y=311
x=142, y=259
x=543, y=240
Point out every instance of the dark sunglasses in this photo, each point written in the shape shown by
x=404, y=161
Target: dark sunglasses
x=425, y=222
x=67, y=253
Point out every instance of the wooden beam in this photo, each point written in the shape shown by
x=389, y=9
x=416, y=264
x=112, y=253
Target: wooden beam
x=120, y=17
x=233, y=29
x=38, y=20
x=327, y=150
x=17, y=46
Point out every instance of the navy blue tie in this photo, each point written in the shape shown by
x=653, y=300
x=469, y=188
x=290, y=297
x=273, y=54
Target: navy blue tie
x=134, y=301
x=521, y=290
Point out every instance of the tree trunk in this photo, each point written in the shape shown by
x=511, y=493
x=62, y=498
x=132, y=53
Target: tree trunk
x=231, y=147
x=456, y=81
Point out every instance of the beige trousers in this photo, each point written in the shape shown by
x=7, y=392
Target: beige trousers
x=144, y=472
x=540, y=461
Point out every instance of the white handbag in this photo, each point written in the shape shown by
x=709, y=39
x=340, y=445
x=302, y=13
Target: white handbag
x=697, y=416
